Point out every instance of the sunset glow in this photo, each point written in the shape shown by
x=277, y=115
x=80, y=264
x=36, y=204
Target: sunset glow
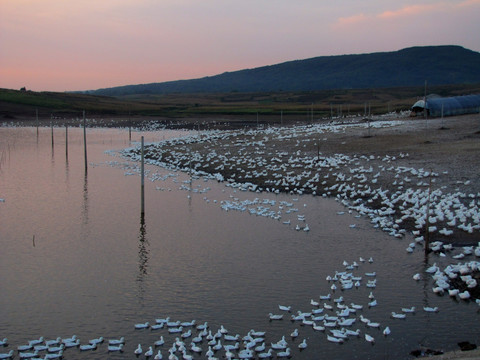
x=62, y=45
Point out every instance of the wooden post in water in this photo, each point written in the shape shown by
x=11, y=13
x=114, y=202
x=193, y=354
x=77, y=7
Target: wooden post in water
x=85, y=140
x=129, y=128
x=142, y=190
x=427, y=220
x=66, y=140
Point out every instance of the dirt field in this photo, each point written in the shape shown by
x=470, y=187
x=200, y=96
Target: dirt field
x=451, y=144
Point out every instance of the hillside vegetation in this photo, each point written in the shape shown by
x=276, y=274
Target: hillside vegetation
x=439, y=65
x=188, y=109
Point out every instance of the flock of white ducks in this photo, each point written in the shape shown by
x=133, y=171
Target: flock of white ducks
x=331, y=316
x=256, y=160
x=352, y=180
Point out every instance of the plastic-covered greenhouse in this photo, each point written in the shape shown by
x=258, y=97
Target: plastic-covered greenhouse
x=448, y=106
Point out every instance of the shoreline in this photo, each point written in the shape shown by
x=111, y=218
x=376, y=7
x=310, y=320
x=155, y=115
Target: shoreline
x=388, y=168
x=458, y=354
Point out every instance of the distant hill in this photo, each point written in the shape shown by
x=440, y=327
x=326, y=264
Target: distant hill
x=439, y=65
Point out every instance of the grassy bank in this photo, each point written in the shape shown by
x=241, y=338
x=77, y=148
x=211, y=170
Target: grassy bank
x=276, y=107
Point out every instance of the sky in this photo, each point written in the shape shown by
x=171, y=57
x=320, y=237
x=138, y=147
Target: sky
x=69, y=45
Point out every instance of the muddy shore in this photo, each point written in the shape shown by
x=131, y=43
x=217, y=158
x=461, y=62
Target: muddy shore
x=360, y=162
x=464, y=355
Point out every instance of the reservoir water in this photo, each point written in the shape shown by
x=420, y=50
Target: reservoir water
x=77, y=257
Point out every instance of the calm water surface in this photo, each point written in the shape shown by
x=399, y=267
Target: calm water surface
x=77, y=258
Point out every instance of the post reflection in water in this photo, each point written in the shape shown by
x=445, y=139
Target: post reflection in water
x=85, y=200
x=142, y=250
x=53, y=153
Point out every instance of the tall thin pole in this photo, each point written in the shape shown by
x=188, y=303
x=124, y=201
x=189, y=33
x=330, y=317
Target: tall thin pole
x=281, y=117
x=142, y=190
x=425, y=108
x=427, y=220
x=425, y=100
x=85, y=140
x=66, y=140
x=129, y=128
x=442, y=114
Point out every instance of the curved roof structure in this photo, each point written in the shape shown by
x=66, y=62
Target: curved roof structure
x=449, y=106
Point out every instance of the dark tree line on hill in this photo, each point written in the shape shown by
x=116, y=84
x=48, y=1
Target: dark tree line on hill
x=439, y=65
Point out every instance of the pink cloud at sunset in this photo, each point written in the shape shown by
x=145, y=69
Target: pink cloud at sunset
x=430, y=23
x=62, y=45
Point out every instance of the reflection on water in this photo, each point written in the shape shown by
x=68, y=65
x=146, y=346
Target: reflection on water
x=94, y=269
x=85, y=199
x=142, y=250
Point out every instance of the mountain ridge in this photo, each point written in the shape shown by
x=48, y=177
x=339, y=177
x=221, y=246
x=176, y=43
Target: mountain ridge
x=439, y=65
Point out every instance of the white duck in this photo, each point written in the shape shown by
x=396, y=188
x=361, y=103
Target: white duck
x=149, y=352
x=334, y=339
x=53, y=342
x=159, y=342
x=87, y=347
x=398, y=316
x=142, y=326
x=116, y=341
x=37, y=341
x=96, y=341
x=8, y=355
x=115, y=348
x=284, y=354
x=138, y=351
x=464, y=295
x=265, y=355
x=64, y=340
x=260, y=348
x=275, y=317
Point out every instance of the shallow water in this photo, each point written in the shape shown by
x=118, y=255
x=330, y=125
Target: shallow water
x=78, y=258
